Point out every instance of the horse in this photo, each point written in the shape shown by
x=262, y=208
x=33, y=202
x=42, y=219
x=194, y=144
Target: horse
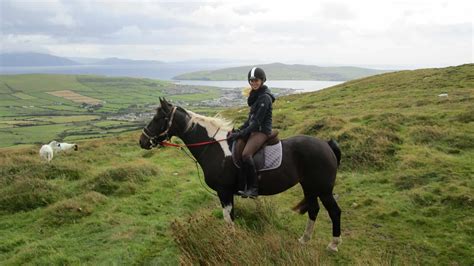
x=306, y=160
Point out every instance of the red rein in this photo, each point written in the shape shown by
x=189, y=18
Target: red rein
x=169, y=144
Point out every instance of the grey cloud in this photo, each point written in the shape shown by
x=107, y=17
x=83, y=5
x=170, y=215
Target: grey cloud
x=92, y=24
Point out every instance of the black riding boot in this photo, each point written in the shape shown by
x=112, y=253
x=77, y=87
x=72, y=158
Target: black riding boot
x=252, y=180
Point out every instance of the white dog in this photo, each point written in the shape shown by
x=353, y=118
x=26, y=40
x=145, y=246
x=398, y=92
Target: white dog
x=63, y=146
x=46, y=152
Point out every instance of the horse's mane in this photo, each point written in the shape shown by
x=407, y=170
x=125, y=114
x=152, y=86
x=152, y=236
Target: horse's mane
x=211, y=123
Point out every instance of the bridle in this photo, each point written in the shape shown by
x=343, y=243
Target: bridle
x=159, y=139
x=155, y=139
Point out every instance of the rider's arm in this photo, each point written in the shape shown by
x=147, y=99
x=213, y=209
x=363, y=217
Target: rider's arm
x=257, y=119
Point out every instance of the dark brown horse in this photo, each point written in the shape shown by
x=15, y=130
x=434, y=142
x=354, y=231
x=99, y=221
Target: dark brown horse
x=306, y=160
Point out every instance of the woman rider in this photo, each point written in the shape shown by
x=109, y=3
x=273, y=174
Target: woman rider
x=254, y=132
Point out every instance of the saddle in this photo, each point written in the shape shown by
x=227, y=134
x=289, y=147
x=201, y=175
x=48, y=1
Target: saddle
x=268, y=157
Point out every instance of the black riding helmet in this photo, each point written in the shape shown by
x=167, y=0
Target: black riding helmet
x=257, y=73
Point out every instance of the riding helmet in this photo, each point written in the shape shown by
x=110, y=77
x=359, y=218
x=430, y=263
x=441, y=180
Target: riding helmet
x=257, y=73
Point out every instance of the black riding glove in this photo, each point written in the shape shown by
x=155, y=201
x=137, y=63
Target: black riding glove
x=234, y=135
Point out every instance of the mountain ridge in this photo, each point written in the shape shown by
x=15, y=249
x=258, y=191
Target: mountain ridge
x=281, y=71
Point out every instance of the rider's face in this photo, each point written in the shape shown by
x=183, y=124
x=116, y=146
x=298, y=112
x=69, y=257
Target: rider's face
x=255, y=84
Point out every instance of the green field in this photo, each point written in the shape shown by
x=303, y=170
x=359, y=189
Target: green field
x=405, y=187
x=26, y=107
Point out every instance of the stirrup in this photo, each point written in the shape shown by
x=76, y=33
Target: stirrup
x=242, y=194
x=249, y=194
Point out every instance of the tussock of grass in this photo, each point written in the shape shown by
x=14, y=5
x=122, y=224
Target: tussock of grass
x=467, y=116
x=387, y=121
x=408, y=181
x=123, y=180
x=71, y=210
x=281, y=121
x=446, y=140
x=363, y=148
x=28, y=193
x=255, y=240
x=18, y=166
x=325, y=128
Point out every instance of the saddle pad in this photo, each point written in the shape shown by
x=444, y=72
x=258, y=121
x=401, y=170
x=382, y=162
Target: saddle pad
x=268, y=158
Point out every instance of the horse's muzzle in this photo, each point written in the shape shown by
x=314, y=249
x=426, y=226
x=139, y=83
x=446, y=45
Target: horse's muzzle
x=145, y=143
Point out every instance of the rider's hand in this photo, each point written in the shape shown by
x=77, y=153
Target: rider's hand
x=234, y=135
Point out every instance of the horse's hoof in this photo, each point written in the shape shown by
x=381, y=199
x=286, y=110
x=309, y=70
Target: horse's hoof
x=232, y=228
x=333, y=245
x=303, y=240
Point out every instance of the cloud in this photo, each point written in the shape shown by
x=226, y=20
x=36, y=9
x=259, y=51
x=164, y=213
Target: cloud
x=342, y=32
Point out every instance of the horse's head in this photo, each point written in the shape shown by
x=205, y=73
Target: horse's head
x=157, y=130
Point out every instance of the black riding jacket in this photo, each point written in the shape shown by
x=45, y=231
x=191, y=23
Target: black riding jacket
x=260, y=116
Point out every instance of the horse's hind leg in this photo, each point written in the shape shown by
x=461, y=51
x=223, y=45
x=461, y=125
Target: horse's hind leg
x=313, y=209
x=335, y=213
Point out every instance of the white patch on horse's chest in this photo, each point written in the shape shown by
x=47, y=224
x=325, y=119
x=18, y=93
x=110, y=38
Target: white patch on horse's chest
x=219, y=136
x=215, y=127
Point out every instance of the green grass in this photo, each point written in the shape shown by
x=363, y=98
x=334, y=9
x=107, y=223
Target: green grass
x=115, y=208
x=405, y=188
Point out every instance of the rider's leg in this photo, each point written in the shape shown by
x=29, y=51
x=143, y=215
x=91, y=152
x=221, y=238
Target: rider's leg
x=254, y=143
x=239, y=147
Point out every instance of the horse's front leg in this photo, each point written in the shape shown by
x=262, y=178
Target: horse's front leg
x=227, y=201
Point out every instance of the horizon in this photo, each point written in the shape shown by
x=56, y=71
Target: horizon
x=225, y=63
x=414, y=34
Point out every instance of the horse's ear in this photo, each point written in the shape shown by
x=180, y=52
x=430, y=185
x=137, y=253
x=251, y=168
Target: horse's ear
x=165, y=105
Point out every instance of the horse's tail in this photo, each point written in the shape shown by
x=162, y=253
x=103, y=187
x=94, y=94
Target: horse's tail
x=337, y=151
x=301, y=207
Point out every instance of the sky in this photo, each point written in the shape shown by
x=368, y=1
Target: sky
x=415, y=33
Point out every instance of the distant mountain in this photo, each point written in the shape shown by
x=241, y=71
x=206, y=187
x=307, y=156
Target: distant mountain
x=279, y=71
x=85, y=60
x=33, y=59
x=121, y=61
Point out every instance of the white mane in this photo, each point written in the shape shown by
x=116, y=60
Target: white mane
x=216, y=127
x=210, y=123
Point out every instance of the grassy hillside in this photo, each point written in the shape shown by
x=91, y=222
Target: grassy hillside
x=278, y=71
x=29, y=113
x=405, y=188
